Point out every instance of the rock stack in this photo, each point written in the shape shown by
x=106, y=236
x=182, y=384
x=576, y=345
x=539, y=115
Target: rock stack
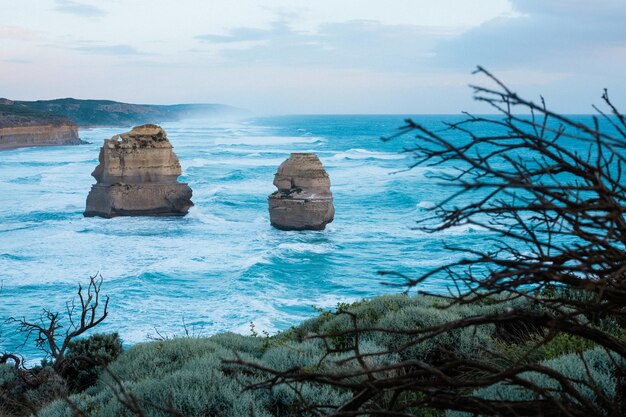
x=138, y=176
x=303, y=200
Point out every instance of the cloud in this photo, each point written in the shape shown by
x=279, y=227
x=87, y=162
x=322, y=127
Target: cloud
x=604, y=9
x=351, y=44
x=555, y=34
x=278, y=29
x=121, y=49
x=78, y=9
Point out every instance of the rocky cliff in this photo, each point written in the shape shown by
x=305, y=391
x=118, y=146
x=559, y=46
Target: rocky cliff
x=303, y=200
x=21, y=127
x=54, y=122
x=113, y=113
x=137, y=175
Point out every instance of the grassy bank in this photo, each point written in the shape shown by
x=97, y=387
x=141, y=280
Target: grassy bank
x=193, y=376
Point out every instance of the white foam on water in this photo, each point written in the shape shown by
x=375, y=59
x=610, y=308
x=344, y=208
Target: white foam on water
x=207, y=218
x=306, y=247
x=363, y=154
x=266, y=140
x=425, y=205
x=222, y=264
x=231, y=162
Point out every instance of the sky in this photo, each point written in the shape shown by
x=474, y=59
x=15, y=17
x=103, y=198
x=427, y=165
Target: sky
x=322, y=56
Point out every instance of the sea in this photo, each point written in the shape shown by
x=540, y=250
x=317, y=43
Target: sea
x=222, y=267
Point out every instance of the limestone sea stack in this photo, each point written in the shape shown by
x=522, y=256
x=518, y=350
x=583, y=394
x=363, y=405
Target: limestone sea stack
x=138, y=176
x=303, y=200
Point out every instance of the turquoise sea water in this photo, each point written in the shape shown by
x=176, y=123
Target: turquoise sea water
x=223, y=265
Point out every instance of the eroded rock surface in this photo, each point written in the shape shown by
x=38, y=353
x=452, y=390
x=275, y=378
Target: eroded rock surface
x=303, y=200
x=138, y=176
x=42, y=135
x=20, y=127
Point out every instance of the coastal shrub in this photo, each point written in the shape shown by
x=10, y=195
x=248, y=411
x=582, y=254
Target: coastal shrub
x=199, y=389
x=22, y=392
x=398, y=313
x=190, y=375
x=199, y=384
x=294, y=355
x=287, y=401
x=368, y=311
x=160, y=358
x=464, y=342
x=591, y=371
x=87, y=357
x=533, y=350
x=238, y=343
x=376, y=355
x=185, y=374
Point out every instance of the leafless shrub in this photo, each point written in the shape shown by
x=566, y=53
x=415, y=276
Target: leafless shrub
x=48, y=334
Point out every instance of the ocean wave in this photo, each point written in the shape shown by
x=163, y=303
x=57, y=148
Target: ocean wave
x=267, y=140
x=216, y=151
x=11, y=257
x=363, y=154
x=33, y=179
x=425, y=205
x=18, y=225
x=207, y=218
x=221, y=162
x=254, y=261
x=306, y=247
x=223, y=259
x=463, y=230
x=236, y=175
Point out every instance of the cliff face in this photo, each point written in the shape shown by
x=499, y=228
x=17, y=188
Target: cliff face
x=53, y=122
x=21, y=127
x=137, y=175
x=41, y=135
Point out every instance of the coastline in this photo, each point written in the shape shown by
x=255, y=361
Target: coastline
x=39, y=135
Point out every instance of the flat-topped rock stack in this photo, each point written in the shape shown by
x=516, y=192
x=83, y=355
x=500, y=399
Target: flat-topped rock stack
x=138, y=176
x=303, y=200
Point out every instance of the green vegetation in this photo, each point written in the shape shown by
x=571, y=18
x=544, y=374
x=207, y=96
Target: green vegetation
x=87, y=357
x=103, y=112
x=24, y=391
x=194, y=377
x=13, y=115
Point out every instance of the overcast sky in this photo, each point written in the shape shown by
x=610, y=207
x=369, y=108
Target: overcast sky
x=322, y=56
